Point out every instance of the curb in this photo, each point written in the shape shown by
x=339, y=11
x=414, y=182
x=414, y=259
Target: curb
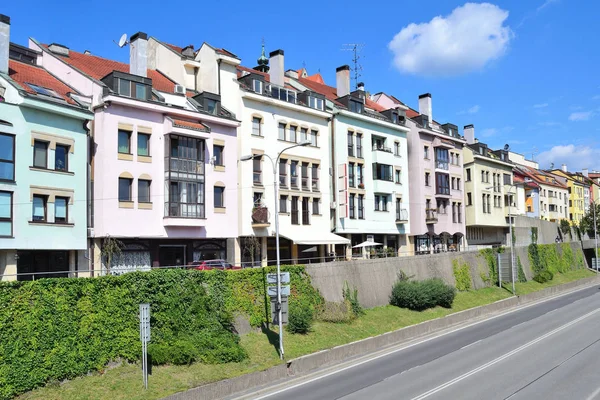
x=325, y=358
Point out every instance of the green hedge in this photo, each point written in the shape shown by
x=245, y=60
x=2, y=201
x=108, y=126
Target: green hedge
x=421, y=295
x=55, y=329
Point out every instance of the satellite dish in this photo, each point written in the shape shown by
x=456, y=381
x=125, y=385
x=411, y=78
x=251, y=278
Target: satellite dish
x=123, y=40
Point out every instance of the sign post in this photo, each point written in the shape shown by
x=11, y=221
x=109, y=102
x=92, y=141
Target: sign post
x=145, y=338
x=281, y=308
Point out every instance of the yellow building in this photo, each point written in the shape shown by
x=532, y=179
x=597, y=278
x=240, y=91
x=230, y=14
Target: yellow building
x=578, y=187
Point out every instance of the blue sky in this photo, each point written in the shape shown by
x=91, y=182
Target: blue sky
x=523, y=72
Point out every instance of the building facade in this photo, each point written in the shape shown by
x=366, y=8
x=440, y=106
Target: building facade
x=163, y=175
x=576, y=186
x=370, y=167
x=43, y=168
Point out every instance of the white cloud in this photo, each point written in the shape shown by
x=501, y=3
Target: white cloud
x=466, y=40
x=489, y=132
x=581, y=116
x=546, y=4
x=576, y=157
x=543, y=105
x=472, y=110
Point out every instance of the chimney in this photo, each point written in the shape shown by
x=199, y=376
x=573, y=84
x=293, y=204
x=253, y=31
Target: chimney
x=277, y=72
x=188, y=51
x=564, y=168
x=4, y=42
x=59, y=49
x=342, y=80
x=470, y=133
x=361, y=86
x=585, y=172
x=425, y=105
x=138, y=54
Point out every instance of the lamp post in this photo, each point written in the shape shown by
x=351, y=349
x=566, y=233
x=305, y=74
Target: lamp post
x=276, y=198
x=595, y=237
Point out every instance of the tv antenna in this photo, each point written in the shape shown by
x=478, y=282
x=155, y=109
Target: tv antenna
x=534, y=151
x=355, y=48
x=123, y=41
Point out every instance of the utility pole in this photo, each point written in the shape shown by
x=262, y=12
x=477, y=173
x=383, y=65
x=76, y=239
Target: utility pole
x=355, y=48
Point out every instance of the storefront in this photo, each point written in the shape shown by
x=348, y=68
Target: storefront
x=42, y=264
x=431, y=243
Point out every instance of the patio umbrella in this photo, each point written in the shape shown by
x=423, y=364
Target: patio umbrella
x=367, y=244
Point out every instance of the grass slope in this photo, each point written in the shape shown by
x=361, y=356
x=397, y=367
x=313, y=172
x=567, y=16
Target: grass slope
x=125, y=382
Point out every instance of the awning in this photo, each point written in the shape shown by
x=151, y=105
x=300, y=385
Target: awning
x=313, y=238
x=367, y=244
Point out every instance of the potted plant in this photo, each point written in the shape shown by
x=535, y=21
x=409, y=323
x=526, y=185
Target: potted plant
x=361, y=185
x=260, y=214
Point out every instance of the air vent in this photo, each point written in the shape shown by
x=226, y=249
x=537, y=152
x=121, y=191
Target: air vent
x=179, y=89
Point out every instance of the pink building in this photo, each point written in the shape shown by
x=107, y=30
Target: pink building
x=163, y=162
x=435, y=164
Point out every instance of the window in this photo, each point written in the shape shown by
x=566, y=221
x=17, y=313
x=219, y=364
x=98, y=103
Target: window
x=257, y=86
x=441, y=158
x=426, y=152
x=218, y=154
x=396, y=148
x=315, y=177
x=382, y=172
x=361, y=206
x=427, y=179
x=125, y=189
x=457, y=183
x=313, y=137
x=351, y=176
x=468, y=170
x=489, y=209
x=377, y=202
x=6, y=214
x=359, y=152
x=315, y=207
x=454, y=213
x=295, y=210
x=351, y=206
x=39, y=208
x=442, y=183
x=7, y=158
x=469, y=199
x=143, y=144
x=256, y=122
x=483, y=176
x=133, y=89
x=124, y=87
x=124, y=142
x=305, y=211
x=44, y=91
x=359, y=174
x=441, y=206
x=144, y=191
x=507, y=179
x=315, y=102
x=453, y=180
x=350, y=144
x=283, y=203
x=303, y=134
x=381, y=202
x=40, y=154
x=257, y=170
x=487, y=177
x=61, y=211
x=356, y=106
x=61, y=158
x=281, y=131
x=484, y=204
x=283, y=173
x=219, y=197
x=397, y=175
x=257, y=198
x=294, y=174
x=305, y=176
x=293, y=130
x=458, y=163
x=141, y=91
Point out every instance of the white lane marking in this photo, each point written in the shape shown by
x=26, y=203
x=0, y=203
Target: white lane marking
x=470, y=344
x=593, y=395
x=402, y=348
x=501, y=358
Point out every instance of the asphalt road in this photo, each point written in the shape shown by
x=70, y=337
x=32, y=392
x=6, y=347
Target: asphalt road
x=547, y=351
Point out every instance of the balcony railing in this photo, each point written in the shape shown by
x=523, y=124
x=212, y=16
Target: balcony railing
x=401, y=215
x=305, y=185
x=184, y=210
x=283, y=180
x=359, y=151
x=183, y=165
x=351, y=181
x=257, y=178
x=260, y=216
x=431, y=216
x=315, y=184
x=443, y=190
x=294, y=217
x=305, y=217
x=440, y=164
x=381, y=148
x=350, y=150
x=294, y=182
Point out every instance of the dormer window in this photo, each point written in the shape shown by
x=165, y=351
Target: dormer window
x=132, y=89
x=315, y=102
x=128, y=85
x=44, y=91
x=210, y=102
x=257, y=86
x=211, y=106
x=356, y=106
x=283, y=94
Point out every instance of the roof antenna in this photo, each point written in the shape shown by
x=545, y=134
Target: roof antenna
x=355, y=48
x=123, y=41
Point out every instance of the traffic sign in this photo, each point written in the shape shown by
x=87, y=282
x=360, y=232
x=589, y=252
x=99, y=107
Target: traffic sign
x=284, y=276
x=272, y=290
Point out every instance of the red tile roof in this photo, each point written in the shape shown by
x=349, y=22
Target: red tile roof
x=226, y=52
x=316, y=78
x=241, y=69
x=98, y=67
x=174, y=48
x=329, y=92
x=27, y=73
x=196, y=125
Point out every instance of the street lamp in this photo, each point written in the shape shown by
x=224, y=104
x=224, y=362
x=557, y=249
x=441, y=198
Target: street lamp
x=276, y=204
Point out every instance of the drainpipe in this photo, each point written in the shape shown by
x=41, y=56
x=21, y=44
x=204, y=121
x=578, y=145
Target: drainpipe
x=219, y=75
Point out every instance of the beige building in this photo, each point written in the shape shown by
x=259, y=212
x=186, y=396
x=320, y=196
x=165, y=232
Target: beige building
x=489, y=192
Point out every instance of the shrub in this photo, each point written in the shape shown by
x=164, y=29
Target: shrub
x=543, y=277
x=300, y=317
x=182, y=352
x=462, y=275
x=534, y=259
x=337, y=312
x=420, y=295
x=351, y=296
x=522, y=278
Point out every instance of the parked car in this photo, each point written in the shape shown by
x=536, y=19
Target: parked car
x=206, y=265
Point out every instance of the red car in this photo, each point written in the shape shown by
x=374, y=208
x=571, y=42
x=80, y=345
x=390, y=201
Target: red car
x=212, y=264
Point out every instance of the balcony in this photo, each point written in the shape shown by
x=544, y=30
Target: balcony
x=378, y=147
x=441, y=164
x=442, y=191
x=431, y=216
x=260, y=217
x=181, y=167
x=184, y=214
x=401, y=216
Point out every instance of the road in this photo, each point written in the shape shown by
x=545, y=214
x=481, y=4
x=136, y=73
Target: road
x=550, y=350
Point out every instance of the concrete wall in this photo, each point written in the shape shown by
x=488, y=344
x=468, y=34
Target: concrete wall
x=375, y=278
x=547, y=231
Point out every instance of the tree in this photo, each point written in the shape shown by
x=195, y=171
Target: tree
x=565, y=228
x=110, y=248
x=587, y=223
x=252, y=248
